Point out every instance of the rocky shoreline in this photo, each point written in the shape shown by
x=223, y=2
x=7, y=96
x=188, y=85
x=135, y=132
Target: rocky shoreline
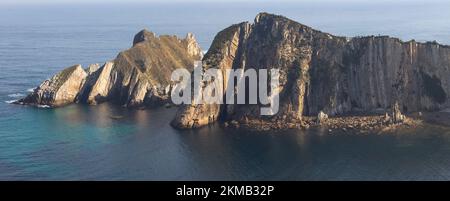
x=373, y=123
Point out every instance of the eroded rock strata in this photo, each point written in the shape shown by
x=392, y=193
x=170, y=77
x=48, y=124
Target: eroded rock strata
x=321, y=75
x=59, y=90
x=323, y=72
x=139, y=76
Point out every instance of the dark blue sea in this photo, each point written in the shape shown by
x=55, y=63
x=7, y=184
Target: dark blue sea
x=86, y=143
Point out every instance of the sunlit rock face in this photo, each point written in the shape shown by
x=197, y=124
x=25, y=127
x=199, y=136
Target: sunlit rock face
x=323, y=72
x=137, y=77
x=59, y=90
x=222, y=55
x=318, y=72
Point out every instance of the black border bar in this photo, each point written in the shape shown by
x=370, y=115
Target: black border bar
x=284, y=190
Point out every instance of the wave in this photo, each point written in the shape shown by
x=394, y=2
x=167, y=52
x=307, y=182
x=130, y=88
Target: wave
x=10, y=101
x=43, y=106
x=16, y=95
x=19, y=95
x=39, y=106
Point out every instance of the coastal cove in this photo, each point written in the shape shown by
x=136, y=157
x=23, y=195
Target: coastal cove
x=110, y=142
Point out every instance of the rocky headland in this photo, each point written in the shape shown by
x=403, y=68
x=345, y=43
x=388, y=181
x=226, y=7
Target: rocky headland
x=364, y=83
x=340, y=82
x=137, y=77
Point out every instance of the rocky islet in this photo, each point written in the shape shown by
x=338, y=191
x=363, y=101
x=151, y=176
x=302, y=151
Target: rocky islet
x=324, y=78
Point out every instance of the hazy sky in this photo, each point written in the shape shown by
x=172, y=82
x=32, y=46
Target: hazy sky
x=149, y=1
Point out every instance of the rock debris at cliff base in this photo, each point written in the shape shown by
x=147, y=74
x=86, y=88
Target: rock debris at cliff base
x=368, y=123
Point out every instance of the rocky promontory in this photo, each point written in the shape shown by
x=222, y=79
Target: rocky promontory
x=321, y=73
x=61, y=89
x=137, y=77
x=325, y=80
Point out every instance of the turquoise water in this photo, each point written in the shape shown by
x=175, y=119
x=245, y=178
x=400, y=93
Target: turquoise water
x=86, y=143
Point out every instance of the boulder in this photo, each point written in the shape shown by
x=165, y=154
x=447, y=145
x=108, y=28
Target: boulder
x=321, y=117
x=397, y=116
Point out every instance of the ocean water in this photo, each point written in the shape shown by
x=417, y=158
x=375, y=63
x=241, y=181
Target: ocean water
x=88, y=143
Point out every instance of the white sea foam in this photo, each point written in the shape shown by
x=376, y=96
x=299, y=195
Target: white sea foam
x=43, y=106
x=10, y=101
x=16, y=95
x=31, y=89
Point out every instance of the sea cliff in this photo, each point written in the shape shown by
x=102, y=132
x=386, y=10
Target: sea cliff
x=137, y=77
x=323, y=73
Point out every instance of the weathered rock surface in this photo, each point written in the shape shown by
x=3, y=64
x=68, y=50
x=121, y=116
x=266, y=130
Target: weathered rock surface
x=321, y=117
x=59, y=90
x=397, y=116
x=319, y=74
x=137, y=77
x=220, y=55
x=98, y=85
x=323, y=72
x=92, y=68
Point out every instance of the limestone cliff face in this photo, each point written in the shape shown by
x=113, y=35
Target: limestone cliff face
x=98, y=85
x=322, y=72
x=137, y=77
x=221, y=55
x=59, y=90
x=141, y=74
x=415, y=74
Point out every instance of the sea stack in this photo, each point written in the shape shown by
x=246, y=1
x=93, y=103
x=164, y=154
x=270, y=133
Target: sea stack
x=137, y=77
